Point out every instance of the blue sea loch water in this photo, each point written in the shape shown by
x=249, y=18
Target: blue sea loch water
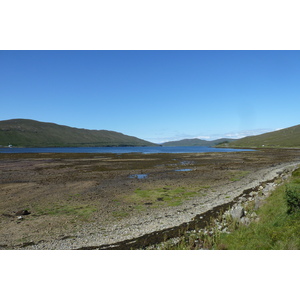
x=120, y=150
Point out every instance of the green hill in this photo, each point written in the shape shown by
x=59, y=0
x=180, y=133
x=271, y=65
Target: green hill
x=30, y=133
x=284, y=138
x=196, y=142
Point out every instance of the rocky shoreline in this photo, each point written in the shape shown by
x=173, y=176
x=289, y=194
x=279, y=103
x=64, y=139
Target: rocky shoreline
x=240, y=212
x=158, y=225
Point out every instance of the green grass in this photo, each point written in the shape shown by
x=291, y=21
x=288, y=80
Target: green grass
x=169, y=196
x=83, y=212
x=275, y=230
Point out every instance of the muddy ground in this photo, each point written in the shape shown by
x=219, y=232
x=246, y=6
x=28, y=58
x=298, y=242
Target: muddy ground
x=66, y=192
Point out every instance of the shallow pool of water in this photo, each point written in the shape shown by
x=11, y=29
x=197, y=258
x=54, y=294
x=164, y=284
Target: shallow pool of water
x=139, y=176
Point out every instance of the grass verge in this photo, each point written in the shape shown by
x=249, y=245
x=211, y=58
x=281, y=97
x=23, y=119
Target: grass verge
x=276, y=228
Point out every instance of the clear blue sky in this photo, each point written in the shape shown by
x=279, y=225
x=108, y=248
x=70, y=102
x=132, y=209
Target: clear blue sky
x=154, y=95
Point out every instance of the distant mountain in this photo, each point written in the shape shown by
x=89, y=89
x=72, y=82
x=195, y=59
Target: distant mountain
x=186, y=142
x=30, y=133
x=196, y=142
x=284, y=138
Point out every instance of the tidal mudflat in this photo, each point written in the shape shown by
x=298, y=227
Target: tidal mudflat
x=75, y=200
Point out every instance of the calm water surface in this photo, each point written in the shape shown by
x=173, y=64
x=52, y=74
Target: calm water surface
x=145, y=150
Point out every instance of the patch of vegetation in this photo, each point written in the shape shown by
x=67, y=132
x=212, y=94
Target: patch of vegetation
x=238, y=175
x=139, y=207
x=167, y=195
x=120, y=214
x=277, y=228
x=292, y=196
x=83, y=212
x=175, y=203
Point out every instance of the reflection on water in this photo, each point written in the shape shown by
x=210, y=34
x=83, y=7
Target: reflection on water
x=184, y=170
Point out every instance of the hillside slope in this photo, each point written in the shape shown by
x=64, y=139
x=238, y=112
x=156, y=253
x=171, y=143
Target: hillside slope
x=284, y=138
x=195, y=142
x=30, y=133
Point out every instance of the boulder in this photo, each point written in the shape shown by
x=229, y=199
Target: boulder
x=258, y=203
x=267, y=189
x=237, y=213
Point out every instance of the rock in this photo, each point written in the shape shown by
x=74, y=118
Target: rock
x=243, y=199
x=258, y=203
x=237, y=213
x=245, y=220
x=267, y=189
x=22, y=212
x=253, y=215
